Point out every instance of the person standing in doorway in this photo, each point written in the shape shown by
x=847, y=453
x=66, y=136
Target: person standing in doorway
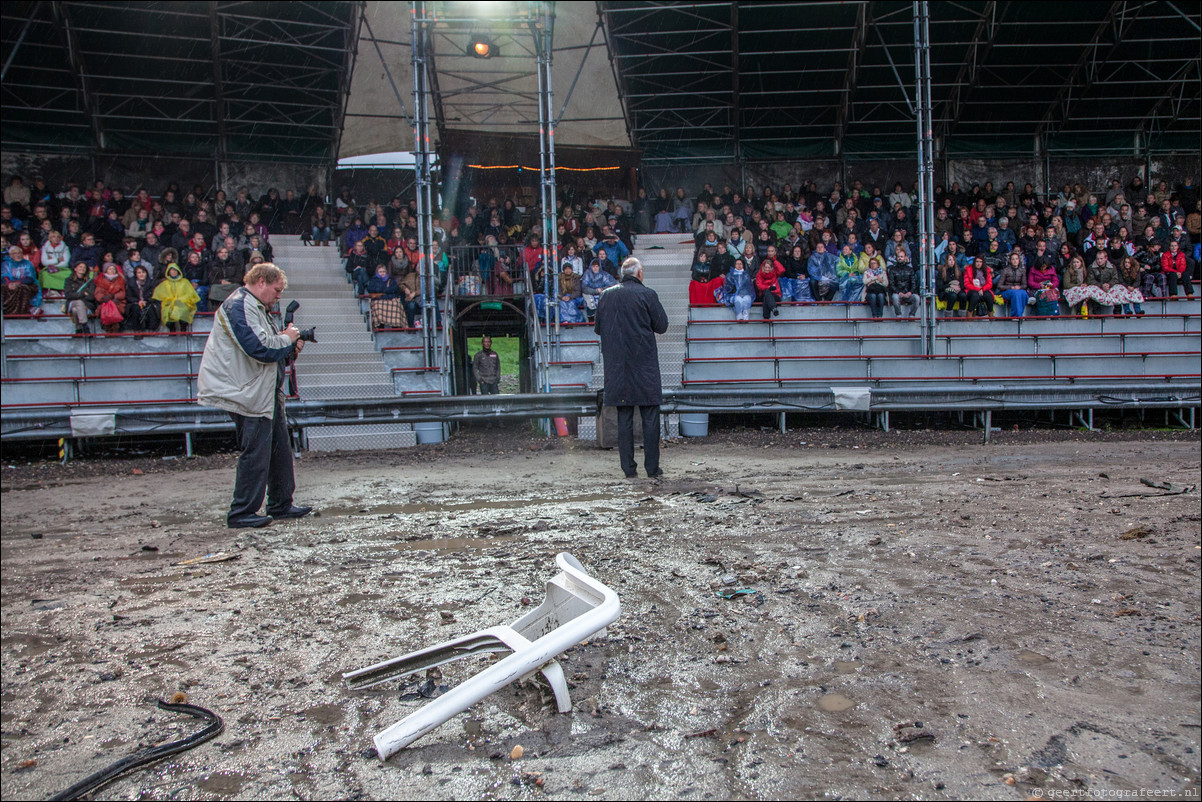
x=486, y=366
x=629, y=316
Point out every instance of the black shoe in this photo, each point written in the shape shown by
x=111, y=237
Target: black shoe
x=249, y=522
x=292, y=512
x=659, y=474
x=632, y=475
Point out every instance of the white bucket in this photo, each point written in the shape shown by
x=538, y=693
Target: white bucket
x=696, y=424
x=429, y=432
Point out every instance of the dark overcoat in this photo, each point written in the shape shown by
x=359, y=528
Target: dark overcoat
x=629, y=316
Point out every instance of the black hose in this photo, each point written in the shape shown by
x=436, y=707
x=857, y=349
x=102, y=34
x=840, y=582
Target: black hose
x=89, y=784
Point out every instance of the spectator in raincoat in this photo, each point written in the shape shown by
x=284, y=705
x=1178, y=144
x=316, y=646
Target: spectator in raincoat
x=177, y=299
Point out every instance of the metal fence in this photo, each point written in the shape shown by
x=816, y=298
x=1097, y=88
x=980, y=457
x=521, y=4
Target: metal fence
x=487, y=270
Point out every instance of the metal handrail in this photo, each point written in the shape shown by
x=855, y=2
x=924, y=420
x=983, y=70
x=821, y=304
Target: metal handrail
x=35, y=424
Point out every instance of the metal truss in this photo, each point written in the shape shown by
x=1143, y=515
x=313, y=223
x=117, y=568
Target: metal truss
x=819, y=75
x=227, y=79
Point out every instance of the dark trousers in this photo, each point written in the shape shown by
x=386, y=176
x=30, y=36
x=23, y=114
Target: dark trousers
x=769, y=299
x=1182, y=280
x=265, y=465
x=490, y=388
x=822, y=293
x=650, y=416
x=953, y=298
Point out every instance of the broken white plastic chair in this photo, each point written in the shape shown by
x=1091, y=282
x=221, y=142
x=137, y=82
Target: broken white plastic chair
x=576, y=608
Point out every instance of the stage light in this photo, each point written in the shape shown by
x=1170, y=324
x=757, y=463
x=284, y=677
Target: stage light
x=481, y=47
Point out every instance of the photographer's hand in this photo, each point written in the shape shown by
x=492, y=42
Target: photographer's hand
x=299, y=346
x=292, y=332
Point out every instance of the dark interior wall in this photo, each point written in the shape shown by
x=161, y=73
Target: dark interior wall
x=368, y=183
x=131, y=172
x=823, y=172
x=1095, y=172
x=262, y=176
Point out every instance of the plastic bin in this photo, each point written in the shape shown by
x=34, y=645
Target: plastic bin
x=429, y=432
x=694, y=424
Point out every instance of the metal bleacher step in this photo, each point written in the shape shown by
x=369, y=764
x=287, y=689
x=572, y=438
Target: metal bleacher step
x=344, y=363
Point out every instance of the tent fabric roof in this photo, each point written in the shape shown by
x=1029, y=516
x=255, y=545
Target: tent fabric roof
x=721, y=81
x=498, y=95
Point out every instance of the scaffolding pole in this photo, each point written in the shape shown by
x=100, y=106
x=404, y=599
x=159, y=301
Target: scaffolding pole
x=543, y=29
x=926, y=171
x=422, y=180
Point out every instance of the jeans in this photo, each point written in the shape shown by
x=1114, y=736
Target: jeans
x=876, y=296
x=911, y=304
x=490, y=388
x=1016, y=300
x=359, y=277
x=321, y=234
x=264, y=466
x=650, y=416
x=412, y=310
x=203, y=291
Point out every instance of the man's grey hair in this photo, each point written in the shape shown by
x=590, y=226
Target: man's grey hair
x=631, y=267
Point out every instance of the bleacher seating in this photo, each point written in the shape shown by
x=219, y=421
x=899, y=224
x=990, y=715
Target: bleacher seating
x=50, y=366
x=836, y=343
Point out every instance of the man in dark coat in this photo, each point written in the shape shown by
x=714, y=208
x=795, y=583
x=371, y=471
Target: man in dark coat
x=629, y=316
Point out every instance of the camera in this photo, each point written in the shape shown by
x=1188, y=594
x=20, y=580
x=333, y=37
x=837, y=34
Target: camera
x=309, y=335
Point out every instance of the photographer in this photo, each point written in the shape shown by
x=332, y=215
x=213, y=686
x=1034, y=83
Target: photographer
x=242, y=372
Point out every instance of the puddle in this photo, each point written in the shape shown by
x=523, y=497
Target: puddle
x=835, y=703
x=355, y=598
x=446, y=544
x=222, y=783
x=1030, y=658
x=324, y=714
x=137, y=581
x=846, y=666
x=28, y=645
x=461, y=506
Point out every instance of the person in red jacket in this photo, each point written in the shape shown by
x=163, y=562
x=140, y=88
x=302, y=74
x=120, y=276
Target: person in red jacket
x=1176, y=269
x=110, y=286
x=978, y=282
x=767, y=286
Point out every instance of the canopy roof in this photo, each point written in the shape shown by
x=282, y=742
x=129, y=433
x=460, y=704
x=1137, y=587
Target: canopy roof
x=498, y=96
x=723, y=81
x=684, y=82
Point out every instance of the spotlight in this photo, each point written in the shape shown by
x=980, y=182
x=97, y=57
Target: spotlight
x=481, y=47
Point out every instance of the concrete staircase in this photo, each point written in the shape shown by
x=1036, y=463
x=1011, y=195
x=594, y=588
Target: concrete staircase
x=667, y=266
x=667, y=263
x=344, y=362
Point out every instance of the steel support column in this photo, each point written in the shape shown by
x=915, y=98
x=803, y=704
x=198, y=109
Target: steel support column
x=422, y=180
x=926, y=171
x=543, y=28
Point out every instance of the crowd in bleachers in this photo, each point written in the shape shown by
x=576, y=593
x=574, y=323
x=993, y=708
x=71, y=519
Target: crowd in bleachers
x=1091, y=251
x=1086, y=250
x=137, y=262
x=492, y=247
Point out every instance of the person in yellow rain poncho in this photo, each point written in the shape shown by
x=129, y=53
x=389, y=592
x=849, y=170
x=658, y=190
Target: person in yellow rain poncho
x=178, y=299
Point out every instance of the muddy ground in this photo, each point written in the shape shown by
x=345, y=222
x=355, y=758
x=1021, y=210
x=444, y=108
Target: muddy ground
x=930, y=618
